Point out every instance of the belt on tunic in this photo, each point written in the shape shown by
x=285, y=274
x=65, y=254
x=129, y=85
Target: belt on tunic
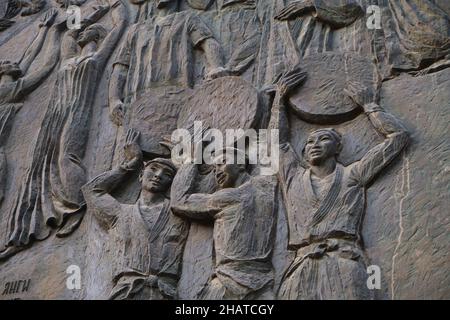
x=132, y=281
x=316, y=250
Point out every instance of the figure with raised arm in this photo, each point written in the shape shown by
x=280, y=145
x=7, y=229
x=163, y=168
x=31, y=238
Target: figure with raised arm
x=242, y=212
x=147, y=240
x=16, y=82
x=325, y=200
x=157, y=56
x=50, y=193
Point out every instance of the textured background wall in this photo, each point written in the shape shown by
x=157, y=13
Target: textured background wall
x=405, y=229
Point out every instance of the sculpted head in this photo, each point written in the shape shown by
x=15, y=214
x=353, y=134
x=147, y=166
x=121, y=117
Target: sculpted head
x=11, y=69
x=94, y=33
x=322, y=145
x=158, y=175
x=228, y=173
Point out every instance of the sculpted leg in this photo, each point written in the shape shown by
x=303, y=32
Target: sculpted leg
x=72, y=175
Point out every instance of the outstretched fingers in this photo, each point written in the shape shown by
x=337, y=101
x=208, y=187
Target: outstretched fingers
x=132, y=136
x=286, y=12
x=292, y=78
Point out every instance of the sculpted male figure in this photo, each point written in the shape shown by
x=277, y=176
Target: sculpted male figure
x=50, y=191
x=157, y=56
x=16, y=83
x=240, y=28
x=325, y=200
x=304, y=28
x=147, y=239
x=11, y=8
x=242, y=211
x=318, y=20
x=414, y=36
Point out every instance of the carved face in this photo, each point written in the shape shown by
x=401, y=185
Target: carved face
x=227, y=174
x=320, y=146
x=157, y=178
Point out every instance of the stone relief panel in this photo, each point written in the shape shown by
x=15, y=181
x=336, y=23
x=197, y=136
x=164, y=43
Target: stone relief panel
x=11, y=8
x=50, y=194
x=89, y=183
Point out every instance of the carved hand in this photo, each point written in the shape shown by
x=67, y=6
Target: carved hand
x=290, y=80
x=49, y=18
x=117, y=112
x=167, y=142
x=295, y=9
x=360, y=94
x=132, y=151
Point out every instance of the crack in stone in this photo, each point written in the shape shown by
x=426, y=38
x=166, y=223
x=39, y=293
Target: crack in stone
x=404, y=192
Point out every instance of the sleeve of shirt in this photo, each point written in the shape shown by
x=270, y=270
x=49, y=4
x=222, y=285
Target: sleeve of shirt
x=289, y=163
x=366, y=169
x=198, y=30
x=124, y=55
x=104, y=207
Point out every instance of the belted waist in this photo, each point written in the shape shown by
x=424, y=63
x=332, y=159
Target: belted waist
x=345, y=248
x=318, y=249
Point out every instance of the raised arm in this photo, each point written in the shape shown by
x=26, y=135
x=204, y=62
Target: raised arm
x=202, y=38
x=290, y=80
x=335, y=13
x=97, y=192
x=215, y=59
x=187, y=204
x=118, y=80
x=278, y=116
x=120, y=20
x=98, y=13
x=36, y=46
x=34, y=79
x=116, y=86
x=396, y=139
